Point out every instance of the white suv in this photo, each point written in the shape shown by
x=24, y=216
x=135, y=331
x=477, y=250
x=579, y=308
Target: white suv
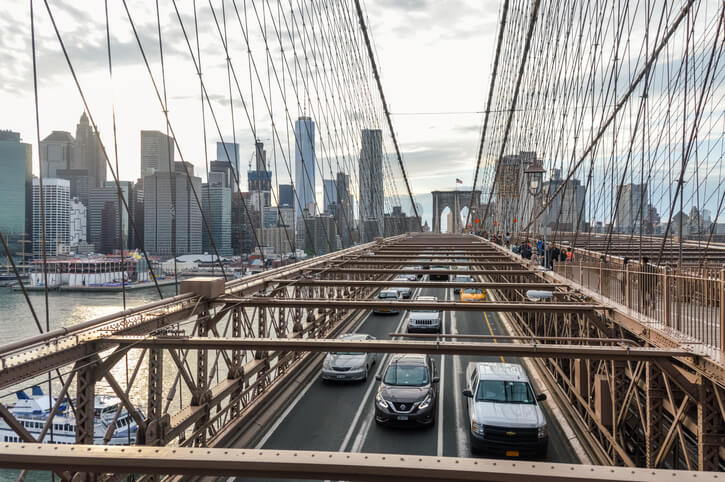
x=504, y=414
x=425, y=320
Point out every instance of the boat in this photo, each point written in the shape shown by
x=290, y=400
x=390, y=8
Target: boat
x=33, y=411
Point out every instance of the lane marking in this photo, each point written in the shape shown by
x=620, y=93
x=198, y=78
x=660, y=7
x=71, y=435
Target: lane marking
x=373, y=384
x=441, y=388
x=281, y=419
x=492, y=334
x=362, y=435
x=461, y=427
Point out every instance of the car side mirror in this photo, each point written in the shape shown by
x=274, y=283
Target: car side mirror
x=436, y=379
x=540, y=397
x=467, y=393
x=379, y=378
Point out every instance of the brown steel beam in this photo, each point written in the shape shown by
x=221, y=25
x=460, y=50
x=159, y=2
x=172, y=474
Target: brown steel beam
x=416, y=284
x=400, y=346
x=382, y=271
x=289, y=464
x=486, y=306
x=442, y=262
x=511, y=337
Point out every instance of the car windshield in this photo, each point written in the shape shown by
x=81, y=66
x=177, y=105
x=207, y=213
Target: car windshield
x=463, y=279
x=347, y=353
x=387, y=295
x=406, y=375
x=504, y=392
x=472, y=291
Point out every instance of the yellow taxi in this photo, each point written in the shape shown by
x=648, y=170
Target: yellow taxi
x=473, y=294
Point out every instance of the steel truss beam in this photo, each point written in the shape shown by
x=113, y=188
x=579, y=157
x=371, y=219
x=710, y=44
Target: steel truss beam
x=289, y=464
x=417, y=284
x=382, y=271
x=398, y=346
x=484, y=306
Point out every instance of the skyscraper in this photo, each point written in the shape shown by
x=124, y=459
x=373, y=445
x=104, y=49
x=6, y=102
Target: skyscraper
x=157, y=151
x=103, y=216
x=56, y=207
x=158, y=233
x=286, y=196
x=216, y=199
x=229, y=152
x=56, y=152
x=371, y=185
x=16, y=195
x=344, y=214
x=87, y=153
x=632, y=207
x=305, y=165
x=329, y=195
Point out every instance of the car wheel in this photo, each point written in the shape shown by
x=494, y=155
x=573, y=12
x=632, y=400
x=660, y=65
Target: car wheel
x=365, y=377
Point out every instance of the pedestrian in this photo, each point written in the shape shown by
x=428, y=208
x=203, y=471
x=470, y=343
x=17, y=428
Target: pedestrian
x=508, y=240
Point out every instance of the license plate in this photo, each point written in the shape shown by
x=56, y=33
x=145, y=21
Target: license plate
x=340, y=376
x=402, y=417
x=512, y=453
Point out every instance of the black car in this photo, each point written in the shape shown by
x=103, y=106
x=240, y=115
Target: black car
x=438, y=276
x=408, y=391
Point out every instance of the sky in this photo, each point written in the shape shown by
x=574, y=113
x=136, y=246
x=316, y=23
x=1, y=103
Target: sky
x=434, y=57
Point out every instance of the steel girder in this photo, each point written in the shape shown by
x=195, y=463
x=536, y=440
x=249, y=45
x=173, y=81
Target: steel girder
x=318, y=465
x=638, y=413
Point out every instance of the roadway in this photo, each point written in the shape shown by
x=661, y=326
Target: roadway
x=340, y=416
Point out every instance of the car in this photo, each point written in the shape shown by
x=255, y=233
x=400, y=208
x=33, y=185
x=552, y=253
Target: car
x=425, y=320
x=462, y=278
x=403, y=291
x=503, y=413
x=438, y=276
x=408, y=391
x=473, y=294
x=389, y=294
x=348, y=366
x=414, y=277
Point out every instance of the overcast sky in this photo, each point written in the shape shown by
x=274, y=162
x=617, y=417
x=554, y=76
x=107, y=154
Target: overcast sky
x=434, y=57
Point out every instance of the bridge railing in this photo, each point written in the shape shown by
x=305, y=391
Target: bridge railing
x=687, y=302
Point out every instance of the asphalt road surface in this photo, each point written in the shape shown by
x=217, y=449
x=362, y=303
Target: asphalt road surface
x=340, y=416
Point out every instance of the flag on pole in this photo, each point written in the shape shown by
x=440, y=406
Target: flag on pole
x=458, y=181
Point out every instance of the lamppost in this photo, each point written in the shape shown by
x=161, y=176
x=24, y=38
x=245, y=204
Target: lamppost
x=535, y=175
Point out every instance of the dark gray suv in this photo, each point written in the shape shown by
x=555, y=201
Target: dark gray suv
x=408, y=391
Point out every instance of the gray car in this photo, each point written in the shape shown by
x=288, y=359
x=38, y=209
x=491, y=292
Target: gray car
x=348, y=366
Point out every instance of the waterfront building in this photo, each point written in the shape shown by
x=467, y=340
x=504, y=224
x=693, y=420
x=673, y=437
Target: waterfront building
x=105, y=213
x=216, y=201
x=56, y=207
x=278, y=238
x=78, y=222
x=159, y=213
x=157, y=152
x=16, y=195
x=371, y=185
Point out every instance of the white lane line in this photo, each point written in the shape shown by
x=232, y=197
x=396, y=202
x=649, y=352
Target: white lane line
x=441, y=391
x=461, y=439
x=364, y=402
x=287, y=411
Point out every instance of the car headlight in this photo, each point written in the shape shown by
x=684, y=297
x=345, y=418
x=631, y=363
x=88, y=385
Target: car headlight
x=381, y=401
x=542, y=431
x=477, y=427
x=326, y=363
x=425, y=403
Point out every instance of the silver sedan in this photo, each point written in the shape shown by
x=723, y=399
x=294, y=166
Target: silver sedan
x=348, y=366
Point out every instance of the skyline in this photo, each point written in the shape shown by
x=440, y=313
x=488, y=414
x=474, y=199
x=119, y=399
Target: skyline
x=137, y=109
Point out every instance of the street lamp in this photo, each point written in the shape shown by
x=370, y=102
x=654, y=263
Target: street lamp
x=535, y=176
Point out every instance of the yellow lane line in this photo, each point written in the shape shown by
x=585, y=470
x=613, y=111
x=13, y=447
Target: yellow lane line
x=492, y=334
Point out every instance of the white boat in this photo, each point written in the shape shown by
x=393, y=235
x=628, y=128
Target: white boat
x=33, y=411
